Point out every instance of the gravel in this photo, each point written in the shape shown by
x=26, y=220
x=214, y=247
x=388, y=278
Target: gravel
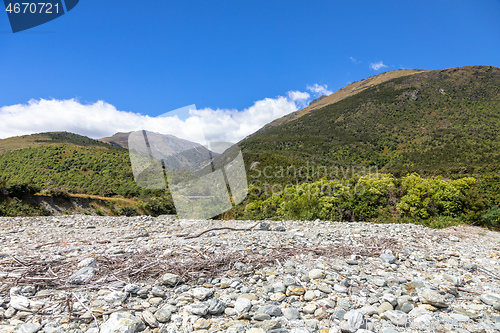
x=115, y=274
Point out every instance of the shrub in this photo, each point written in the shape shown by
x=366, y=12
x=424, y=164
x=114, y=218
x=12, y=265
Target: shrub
x=128, y=211
x=425, y=198
x=492, y=217
x=158, y=206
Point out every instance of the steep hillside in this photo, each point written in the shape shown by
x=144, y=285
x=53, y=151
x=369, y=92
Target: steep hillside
x=347, y=91
x=433, y=122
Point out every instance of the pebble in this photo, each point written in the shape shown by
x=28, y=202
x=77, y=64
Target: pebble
x=291, y=313
x=434, y=298
x=242, y=305
x=122, y=322
x=397, y=317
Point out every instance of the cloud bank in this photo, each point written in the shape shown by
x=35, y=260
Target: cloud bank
x=102, y=119
x=377, y=65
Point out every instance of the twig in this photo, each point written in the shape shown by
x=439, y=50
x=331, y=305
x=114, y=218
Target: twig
x=371, y=262
x=468, y=291
x=488, y=272
x=223, y=228
x=86, y=308
x=19, y=261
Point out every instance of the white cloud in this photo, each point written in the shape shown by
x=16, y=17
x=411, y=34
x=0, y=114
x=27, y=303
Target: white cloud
x=354, y=60
x=319, y=90
x=102, y=119
x=377, y=65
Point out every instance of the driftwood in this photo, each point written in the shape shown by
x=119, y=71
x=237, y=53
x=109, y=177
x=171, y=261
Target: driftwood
x=215, y=229
x=187, y=262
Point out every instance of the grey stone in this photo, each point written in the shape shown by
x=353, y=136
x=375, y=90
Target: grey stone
x=423, y=320
x=261, y=316
x=352, y=262
x=202, y=293
x=379, y=282
x=216, y=306
x=385, y=306
x=28, y=328
x=272, y=310
x=82, y=276
x=150, y=319
x=316, y=274
x=368, y=310
x=88, y=262
x=354, y=321
x=288, y=281
x=10, y=312
x=397, y=317
x=343, y=303
x=340, y=289
x=434, y=298
x=279, y=287
x=389, y=330
x=199, y=309
x=388, y=258
x=242, y=267
x=122, y=322
x=309, y=295
x=264, y=226
x=459, y=317
x=406, y=307
x=490, y=299
x=496, y=306
x=390, y=298
x=170, y=280
x=242, y=305
x=163, y=315
x=469, y=266
x=291, y=313
x=131, y=288
x=115, y=296
x=268, y=325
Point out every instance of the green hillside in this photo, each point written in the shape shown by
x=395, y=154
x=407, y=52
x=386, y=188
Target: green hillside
x=72, y=167
x=435, y=122
x=423, y=148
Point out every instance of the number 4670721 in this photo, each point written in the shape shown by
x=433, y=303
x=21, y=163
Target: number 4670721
x=32, y=8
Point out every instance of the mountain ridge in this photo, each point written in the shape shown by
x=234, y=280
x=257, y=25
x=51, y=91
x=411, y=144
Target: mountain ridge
x=448, y=118
x=347, y=91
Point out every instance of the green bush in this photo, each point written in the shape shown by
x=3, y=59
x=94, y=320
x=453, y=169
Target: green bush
x=492, y=217
x=58, y=193
x=157, y=206
x=128, y=211
x=425, y=198
x=349, y=199
x=17, y=207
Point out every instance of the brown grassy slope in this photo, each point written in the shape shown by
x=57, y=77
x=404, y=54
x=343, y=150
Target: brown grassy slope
x=119, y=139
x=49, y=139
x=345, y=92
x=20, y=142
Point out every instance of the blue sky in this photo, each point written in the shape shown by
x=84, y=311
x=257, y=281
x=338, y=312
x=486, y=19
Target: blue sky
x=149, y=57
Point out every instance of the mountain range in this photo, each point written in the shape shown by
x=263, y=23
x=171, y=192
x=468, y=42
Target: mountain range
x=440, y=122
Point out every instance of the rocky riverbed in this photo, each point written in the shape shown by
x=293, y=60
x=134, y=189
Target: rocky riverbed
x=143, y=274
